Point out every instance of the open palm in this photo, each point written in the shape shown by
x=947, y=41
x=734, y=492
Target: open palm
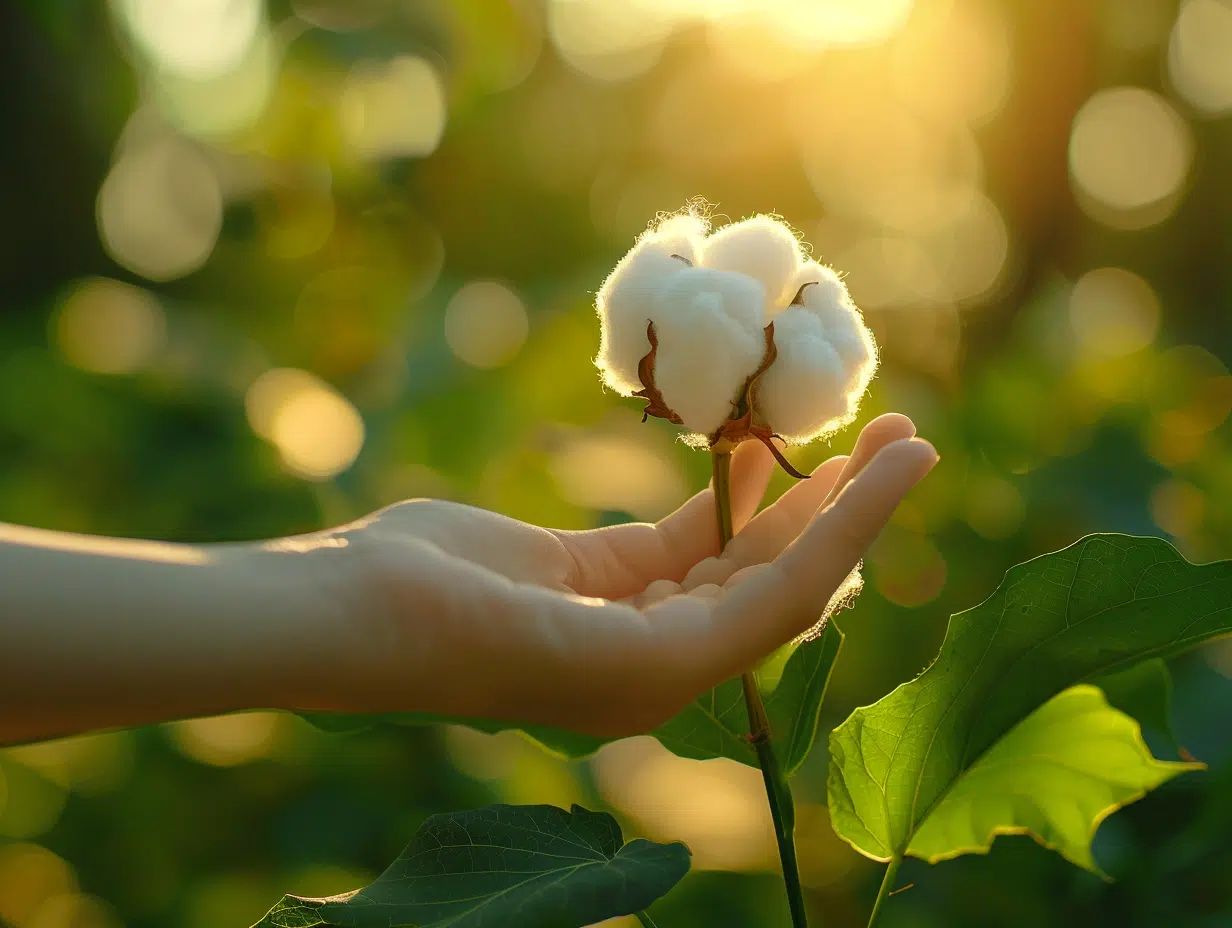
x=613, y=630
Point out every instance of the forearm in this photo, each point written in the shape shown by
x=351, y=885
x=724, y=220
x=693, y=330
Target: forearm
x=99, y=633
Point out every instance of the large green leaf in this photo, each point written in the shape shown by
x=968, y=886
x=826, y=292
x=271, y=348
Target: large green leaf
x=713, y=725
x=1058, y=773
x=1101, y=605
x=503, y=867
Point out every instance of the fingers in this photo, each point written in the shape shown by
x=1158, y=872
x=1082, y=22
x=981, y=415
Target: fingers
x=778, y=525
x=779, y=603
x=770, y=530
x=888, y=427
x=775, y=527
x=692, y=531
x=622, y=560
x=751, y=467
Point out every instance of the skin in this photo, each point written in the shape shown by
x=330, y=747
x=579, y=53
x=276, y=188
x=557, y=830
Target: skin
x=431, y=606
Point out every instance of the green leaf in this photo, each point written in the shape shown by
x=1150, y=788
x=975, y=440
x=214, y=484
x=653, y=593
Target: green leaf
x=554, y=740
x=503, y=867
x=1101, y=605
x=1056, y=775
x=713, y=725
x=716, y=724
x=1144, y=692
x=339, y=722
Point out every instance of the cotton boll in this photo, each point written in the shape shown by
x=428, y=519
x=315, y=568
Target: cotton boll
x=711, y=340
x=804, y=393
x=764, y=249
x=709, y=299
x=826, y=297
x=624, y=299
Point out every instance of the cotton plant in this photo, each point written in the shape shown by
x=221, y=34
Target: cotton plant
x=1026, y=722
x=736, y=334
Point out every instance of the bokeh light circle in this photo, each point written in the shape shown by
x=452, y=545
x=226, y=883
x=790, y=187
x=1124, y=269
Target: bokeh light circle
x=485, y=324
x=394, y=110
x=109, y=327
x=194, y=38
x=160, y=210
x=317, y=430
x=1113, y=311
x=223, y=104
x=609, y=41
x=1200, y=56
x=1129, y=157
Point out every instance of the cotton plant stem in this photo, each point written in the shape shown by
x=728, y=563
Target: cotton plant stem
x=887, y=884
x=778, y=793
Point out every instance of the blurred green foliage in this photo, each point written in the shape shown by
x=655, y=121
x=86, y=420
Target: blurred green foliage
x=195, y=198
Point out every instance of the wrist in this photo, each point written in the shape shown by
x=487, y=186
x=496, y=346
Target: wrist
x=299, y=596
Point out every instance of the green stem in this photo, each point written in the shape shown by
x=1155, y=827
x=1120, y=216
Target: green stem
x=887, y=884
x=722, y=495
x=646, y=920
x=778, y=793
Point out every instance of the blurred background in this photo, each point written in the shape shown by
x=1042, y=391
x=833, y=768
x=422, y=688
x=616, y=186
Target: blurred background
x=270, y=265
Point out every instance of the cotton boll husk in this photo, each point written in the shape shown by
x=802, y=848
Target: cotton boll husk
x=804, y=393
x=827, y=298
x=624, y=299
x=761, y=247
x=711, y=340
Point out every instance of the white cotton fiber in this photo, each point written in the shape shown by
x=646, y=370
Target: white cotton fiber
x=625, y=297
x=761, y=247
x=826, y=359
x=802, y=394
x=711, y=340
x=710, y=299
x=830, y=302
x=681, y=234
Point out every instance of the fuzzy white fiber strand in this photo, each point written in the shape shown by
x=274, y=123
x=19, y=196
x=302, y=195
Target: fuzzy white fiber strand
x=826, y=358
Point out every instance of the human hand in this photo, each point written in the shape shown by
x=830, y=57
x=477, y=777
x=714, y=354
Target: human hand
x=610, y=631
x=460, y=611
